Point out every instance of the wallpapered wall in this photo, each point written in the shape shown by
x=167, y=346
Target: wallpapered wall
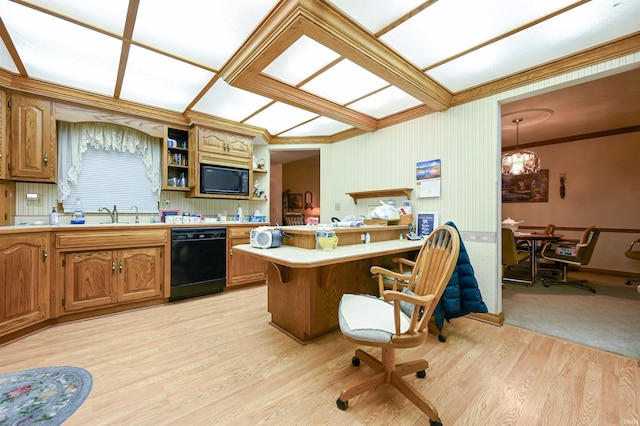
x=466, y=139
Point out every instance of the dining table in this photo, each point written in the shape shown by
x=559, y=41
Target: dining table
x=535, y=239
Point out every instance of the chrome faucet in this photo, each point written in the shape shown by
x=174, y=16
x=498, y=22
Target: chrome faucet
x=137, y=218
x=113, y=214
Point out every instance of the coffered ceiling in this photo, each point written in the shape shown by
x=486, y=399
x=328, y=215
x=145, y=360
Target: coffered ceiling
x=294, y=71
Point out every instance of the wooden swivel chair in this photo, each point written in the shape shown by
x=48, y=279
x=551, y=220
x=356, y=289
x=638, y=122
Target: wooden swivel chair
x=635, y=255
x=399, y=319
x=512, y=255
x=291, y=219
x=576, y=253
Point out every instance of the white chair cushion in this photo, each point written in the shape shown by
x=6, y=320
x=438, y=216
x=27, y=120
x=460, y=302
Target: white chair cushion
x=369, y=318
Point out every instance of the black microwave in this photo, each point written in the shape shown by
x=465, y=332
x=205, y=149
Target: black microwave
x=221, y=180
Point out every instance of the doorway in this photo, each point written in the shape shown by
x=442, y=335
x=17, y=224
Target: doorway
x=295, y=183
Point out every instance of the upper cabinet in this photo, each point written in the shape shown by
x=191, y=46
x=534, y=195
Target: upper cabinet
x=178, y=148
x=224, y=149
x=33, y=140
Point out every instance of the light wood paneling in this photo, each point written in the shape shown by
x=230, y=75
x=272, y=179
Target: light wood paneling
x=216, y=360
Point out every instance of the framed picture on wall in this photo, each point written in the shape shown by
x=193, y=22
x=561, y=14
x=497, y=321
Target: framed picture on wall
x=533, y=187
x=294, y=201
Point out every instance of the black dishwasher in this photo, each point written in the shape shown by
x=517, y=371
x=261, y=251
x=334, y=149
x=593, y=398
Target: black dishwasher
x=198, y=262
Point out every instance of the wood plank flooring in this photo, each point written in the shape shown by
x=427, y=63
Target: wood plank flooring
x=216, y=360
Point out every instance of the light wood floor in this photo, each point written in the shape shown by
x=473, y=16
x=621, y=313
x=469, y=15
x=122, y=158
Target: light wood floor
x=216, y=360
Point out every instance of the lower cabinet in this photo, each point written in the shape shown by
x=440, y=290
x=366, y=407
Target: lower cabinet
x=99, y=278
x=241, y=267
x=102, y=269
x=24, y=280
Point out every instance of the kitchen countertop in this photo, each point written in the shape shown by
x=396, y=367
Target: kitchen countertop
x=29, y=228
x=296, y=257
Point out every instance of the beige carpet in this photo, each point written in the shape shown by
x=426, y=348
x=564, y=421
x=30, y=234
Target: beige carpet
x=607, y=320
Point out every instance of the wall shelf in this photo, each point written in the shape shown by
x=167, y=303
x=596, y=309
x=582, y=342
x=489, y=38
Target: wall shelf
x=381, y=193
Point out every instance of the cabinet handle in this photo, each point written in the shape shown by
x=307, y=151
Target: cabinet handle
x=0, y=156
x=230, y=252
x=113, y=266
x=121, y=266
x=46, y=159
x=44, y=253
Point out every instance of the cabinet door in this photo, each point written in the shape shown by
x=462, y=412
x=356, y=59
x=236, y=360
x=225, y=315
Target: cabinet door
x=217, y=142
x=33, y=140
x=140, y=273
x=242, y=268
x=24, y=281
x=89, y=279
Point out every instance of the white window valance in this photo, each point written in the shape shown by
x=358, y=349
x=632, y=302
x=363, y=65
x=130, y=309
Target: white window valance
x=75, y=138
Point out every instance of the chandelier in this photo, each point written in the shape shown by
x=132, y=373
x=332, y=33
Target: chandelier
x=520, y=161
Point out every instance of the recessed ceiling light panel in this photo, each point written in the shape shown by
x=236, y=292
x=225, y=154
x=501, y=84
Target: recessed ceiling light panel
x=157, y=80
x=320, y=126
x=238, y=104
x=279, y=117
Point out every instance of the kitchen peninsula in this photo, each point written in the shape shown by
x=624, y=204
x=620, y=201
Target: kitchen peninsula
x=305, y=285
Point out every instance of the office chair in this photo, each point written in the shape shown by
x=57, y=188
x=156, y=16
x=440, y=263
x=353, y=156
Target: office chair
x=635, y=255
x=291, y=219
x=513, y=255
x=577, y=253
x=399, y=319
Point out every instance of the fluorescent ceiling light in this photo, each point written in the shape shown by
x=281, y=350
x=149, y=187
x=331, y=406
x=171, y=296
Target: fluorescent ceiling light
x=368, y=13
x=106, y=15
x=344, y=82
x=238, y=104
x=385, y=102
x=555, y=38
x=61, y=52
x=6, y=61
x=203, y=31
x=280, y=117
x=160, y=81
x=431, y=36
x=320, y=126
x=300, y=60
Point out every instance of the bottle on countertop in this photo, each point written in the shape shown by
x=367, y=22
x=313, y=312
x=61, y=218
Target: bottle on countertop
x=53, y=217
x=77, y=217
x=367, y=238
x=239, y=214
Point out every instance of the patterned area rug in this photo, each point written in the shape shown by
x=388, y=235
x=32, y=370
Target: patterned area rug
x=42, y=396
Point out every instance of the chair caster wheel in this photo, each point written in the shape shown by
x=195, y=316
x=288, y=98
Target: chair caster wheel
x=355, y=361
x=435, y=423
x=442, y=338
x=343, y=404
x=421, y=374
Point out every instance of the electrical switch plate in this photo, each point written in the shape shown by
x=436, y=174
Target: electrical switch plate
x=167, y=202
x=337, y=207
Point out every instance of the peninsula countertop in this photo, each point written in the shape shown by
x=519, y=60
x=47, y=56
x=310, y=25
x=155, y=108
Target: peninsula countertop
x=295, y=257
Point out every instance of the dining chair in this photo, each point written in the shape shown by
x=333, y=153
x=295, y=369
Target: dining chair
x=574, y=253
x=399, y=319
x=513, y=255
x=293, y=219
x=635, y=255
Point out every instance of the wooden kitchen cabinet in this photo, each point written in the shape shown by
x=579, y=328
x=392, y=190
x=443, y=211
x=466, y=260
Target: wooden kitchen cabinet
x=34, y=144
x=24, y=280
x=243, y=268
x=217, y=142
x=100, y=278
x=106, y=268
x=4, y=142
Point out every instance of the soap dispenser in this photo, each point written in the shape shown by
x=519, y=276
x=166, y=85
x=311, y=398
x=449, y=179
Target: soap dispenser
x=53, y=217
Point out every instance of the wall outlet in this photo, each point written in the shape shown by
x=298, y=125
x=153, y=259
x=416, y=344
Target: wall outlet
x=337, y=207
x=167, y=202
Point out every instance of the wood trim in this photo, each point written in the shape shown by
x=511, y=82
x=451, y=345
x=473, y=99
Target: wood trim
x=585, y=136
x=494, y=319
x=621, y=47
